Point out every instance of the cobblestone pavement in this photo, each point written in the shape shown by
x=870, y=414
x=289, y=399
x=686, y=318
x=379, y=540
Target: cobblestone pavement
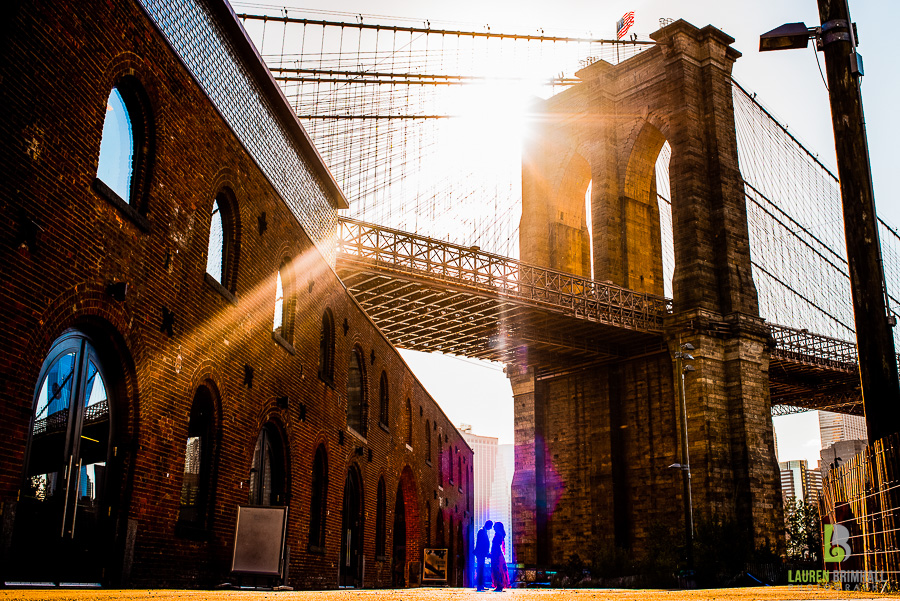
x=782, y=593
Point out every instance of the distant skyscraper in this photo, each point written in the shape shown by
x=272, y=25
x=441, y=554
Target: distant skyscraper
x=843, y=436
x=838, y=454
x=834, y=427
x=493, y=479
x=485, y=460
x=798, y=483
x=815, y=485
x=501, y=493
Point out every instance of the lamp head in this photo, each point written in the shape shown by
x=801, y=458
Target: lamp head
x=789, y=36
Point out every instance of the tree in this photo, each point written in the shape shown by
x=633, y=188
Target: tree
x=804, y=534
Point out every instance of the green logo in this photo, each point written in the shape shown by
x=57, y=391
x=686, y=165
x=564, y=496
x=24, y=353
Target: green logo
x=837, y=545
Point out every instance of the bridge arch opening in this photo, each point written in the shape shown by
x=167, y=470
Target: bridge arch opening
x=664, y=204
x=646, y=213
x=569, y=235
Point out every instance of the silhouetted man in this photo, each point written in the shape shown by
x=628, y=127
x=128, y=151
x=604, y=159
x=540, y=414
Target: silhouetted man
x=482, y=550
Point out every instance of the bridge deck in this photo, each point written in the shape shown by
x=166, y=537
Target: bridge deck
x=431, y=295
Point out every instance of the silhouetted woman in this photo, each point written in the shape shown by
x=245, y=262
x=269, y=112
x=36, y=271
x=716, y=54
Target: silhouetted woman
x=499, y=573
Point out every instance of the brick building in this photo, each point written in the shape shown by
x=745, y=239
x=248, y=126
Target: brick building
x=177, y=342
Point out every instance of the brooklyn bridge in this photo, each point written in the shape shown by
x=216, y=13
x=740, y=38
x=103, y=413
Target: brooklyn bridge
x=657, y=206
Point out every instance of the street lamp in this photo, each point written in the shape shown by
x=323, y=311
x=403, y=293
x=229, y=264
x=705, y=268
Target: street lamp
x=789, y=36
x=681, y=355
x=879, y=379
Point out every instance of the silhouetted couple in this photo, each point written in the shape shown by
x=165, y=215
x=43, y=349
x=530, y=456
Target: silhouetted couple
x=496, y=548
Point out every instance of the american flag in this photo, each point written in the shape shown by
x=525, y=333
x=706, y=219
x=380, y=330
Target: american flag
x=624, y=24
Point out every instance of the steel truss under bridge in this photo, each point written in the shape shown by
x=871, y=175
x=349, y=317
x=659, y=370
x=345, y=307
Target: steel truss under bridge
x=431, y=295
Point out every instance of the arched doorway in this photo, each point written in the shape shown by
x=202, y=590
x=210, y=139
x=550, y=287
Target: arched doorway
x=352, y=531
x=461, y=557
x=398, y=569
x=407, y=533
x=451, y=556
x=64, y=518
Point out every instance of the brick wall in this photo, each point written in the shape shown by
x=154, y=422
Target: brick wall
x=60, y=67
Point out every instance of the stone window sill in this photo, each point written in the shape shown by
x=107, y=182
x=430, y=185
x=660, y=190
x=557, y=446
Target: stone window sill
x=115, y=200
x=315, y=550
x=283, y=343
x=215, y=285
x=362, y=439
x=384, y=427
x=329, y=381
x=428, y=462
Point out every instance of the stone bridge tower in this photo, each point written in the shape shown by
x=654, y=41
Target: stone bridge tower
x=593, y=443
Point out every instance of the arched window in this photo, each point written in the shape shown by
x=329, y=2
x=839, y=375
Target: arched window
x=440, y=469
x=356, y=393
x=450, y=464
x=116, y=164
x=380, y=518
x=216, y=253
x=267, y=474
x=428, y=440
x=319, y=500
x=283, y=318
x=125, y=143
x=409, y=422
x=326, y=348
x=279, y=303
x=384, y=403
x=221, y=253
x=197, y=461
x=459, y=477
x=439, y=540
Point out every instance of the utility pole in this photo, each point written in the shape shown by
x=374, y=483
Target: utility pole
x=874, y=337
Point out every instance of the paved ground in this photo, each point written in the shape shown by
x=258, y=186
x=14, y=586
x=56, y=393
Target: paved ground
x=782, y=593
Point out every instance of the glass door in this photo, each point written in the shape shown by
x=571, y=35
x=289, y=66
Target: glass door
x=62, y=513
